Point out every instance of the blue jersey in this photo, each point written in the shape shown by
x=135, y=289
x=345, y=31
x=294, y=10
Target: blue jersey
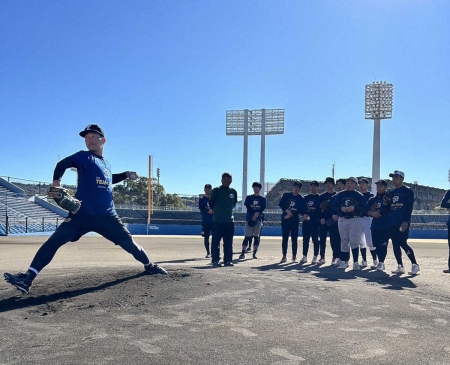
x=325, y=202
x=446, y=204
x=255, y=203
x=203, y=205
x=381, y=222
x=295, y=203
x=401, y=206
x=94, y=185
x=312, y=202
x=347, y=198
x=367, y=195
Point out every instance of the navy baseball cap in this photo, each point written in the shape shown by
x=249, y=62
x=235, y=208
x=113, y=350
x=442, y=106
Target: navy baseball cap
x=397, y=172
x=208, y=186
x=329, y=180
x=382, y=182
x=314, y=183
x=298, y=183
x=92, y=128
x=364, y=180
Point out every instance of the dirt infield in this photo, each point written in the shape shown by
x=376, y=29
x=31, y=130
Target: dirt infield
x=93, y=305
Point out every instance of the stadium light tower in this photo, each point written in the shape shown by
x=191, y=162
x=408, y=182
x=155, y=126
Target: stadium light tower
x=378, y=105
x=255, y=122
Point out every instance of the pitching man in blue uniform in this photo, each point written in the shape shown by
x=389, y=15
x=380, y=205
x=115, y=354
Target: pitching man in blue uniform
x=96, y=214
x=446, y=204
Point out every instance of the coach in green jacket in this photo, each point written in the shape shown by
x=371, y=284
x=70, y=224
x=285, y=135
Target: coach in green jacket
x=222, y=201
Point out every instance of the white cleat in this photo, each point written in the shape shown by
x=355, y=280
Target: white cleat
x=400, y=270
x=303, y=260
x=343, y=265
x=414, y=270
x=380, y=266
x=337, y=262
x=356, y=266
x=375, y=264
x=321, y=261
x=314, y=260
x=363, y=264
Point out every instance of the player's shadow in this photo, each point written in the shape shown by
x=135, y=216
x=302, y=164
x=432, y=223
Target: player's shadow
x=24, y=301
x=331, y=273
x=184, y=261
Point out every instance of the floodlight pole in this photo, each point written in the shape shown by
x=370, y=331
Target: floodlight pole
x=245, y=163
x=376, y=157
x=262, y=171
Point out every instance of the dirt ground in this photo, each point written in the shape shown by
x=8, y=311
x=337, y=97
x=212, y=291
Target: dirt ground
x=93, y=305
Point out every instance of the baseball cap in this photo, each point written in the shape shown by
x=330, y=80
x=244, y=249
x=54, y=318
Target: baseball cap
x=397, y=172
x=258, y=184
x=208, y=186
x=329, y=179
x=314, y=183
x=227, y=174
x=381, y=182
x=92, y=128
x=354, y=179
x=298, y=183
x=364, y=180
x=342, y=181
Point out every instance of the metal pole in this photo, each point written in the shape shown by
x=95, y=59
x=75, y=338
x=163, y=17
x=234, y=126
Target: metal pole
x=262, y=171
x=245, y=163
x=376, y=153
x=150, y=192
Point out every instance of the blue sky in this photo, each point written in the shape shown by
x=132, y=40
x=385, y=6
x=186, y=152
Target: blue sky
x=158, y=76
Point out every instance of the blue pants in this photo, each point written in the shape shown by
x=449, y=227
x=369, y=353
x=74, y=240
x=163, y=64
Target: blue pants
x=225, y=231
x=75, y=226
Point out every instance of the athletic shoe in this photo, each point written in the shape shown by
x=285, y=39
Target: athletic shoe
x=283, y=259
x=446, y=271
x=375, y=264
x=414, y=270
x=343, y=265
x=154, y=269
x=380, y=266
x=338, y=262
x=254, y=256
x=242, y=256
x=363, y=264
x=21, y=281
x=216, y=264
x=208, y=256
x=249, y=249
x=357, y=266
x=229, y=263
x=314, y=260
x=321, y=261
x=303, y=260
x=294, y=259
x=400, y=270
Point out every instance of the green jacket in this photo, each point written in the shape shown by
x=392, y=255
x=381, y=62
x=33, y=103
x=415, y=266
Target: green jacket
x=222, y=202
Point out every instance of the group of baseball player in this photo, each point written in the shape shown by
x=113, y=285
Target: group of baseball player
x=352, y=219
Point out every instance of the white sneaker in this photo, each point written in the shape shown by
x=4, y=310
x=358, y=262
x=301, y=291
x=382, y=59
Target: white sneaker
x=321, y=261
x=380, y=266
x=337, y=262
x=356, y=266
x=400, y=270
x=303, y=260
x=314, y=260
x=375, y=264
x=343, y=265
x=363, y=264
x=414, y=270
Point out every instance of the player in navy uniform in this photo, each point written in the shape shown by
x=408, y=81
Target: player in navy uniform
x=310, y=225
x=207, y=214
x=325, y=215
x=348, y=205
x=401, y=205
x=96, y=213
x=446, y=204
x=293, y=206
x=378, y=226
x=255, y=205
x=366, y=223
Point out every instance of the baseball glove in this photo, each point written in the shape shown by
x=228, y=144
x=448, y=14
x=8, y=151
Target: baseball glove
x=324, y=206
x=373, y=207
x=64, y=199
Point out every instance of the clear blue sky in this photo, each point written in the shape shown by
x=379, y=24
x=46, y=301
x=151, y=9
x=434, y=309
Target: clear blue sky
x=158, y=76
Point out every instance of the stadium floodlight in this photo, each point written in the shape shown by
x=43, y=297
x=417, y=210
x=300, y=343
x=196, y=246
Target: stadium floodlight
x=378, y=105
x=254, y=122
